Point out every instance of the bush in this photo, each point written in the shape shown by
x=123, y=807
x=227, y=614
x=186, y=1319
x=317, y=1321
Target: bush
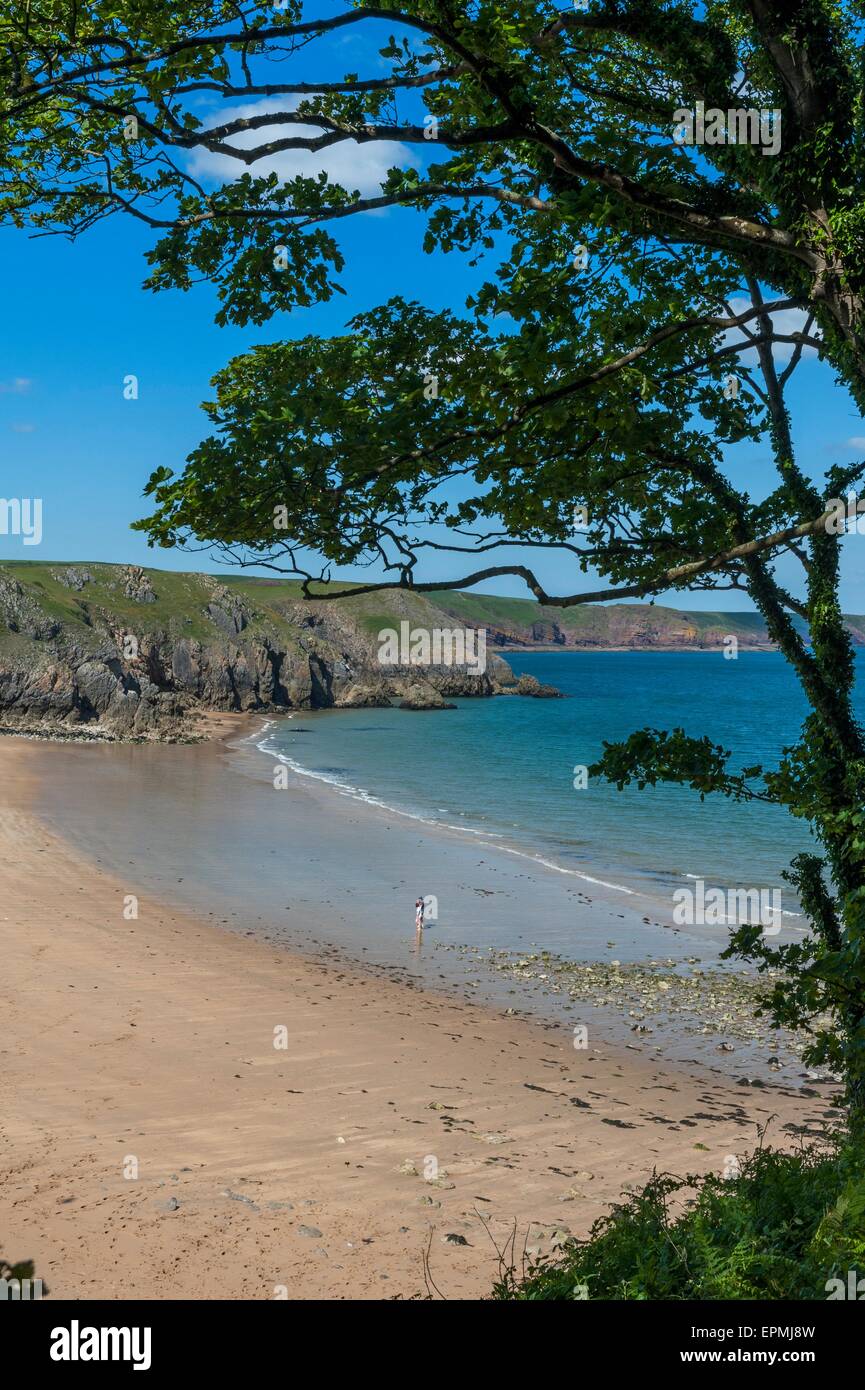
x=780, y=1230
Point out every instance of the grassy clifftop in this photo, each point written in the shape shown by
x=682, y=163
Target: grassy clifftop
x=180, y=601
x=641, y=626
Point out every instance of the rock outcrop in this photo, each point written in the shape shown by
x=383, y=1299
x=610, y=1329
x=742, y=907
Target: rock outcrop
x=72, y=578
x=22, y=614
x=106, y=651
x=227, y=611
x=422, y=695
x=138, y=585
x=530, y=685
x=369, y=694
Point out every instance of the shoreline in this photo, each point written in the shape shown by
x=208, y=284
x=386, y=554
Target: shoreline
x=201, y=723
x=497, y=840
x=299, y=1166
x=353, y=866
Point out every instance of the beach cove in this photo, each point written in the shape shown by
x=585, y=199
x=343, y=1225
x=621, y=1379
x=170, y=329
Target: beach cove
x=303, y=1168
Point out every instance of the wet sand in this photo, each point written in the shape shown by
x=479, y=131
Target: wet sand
x=301, y=864
x=145, y=1046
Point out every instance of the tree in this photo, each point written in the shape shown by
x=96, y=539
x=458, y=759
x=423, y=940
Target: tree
x=601, y=365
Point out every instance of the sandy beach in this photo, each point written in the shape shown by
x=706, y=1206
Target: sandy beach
x=191, y=1112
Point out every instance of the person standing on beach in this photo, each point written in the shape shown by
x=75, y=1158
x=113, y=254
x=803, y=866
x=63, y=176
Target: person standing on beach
x=418, y=914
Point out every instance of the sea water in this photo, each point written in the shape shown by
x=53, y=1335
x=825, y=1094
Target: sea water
x=504, y=769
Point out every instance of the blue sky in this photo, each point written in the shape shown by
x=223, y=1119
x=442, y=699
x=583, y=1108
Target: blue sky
x=77, y=322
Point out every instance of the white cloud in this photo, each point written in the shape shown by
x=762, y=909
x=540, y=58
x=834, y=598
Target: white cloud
x=857, y=441
x=785, y=321
x=17, y=387
x=355, y=166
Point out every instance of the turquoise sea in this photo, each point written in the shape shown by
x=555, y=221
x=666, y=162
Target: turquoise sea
x=473, y=808
x=504, y=767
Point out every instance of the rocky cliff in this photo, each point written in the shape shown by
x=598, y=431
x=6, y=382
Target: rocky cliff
x=118, y=651
x=516, y=622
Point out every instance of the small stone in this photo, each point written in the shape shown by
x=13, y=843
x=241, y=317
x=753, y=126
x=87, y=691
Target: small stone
x=453, y=1239
x=240, y=1197
x=311, y=1231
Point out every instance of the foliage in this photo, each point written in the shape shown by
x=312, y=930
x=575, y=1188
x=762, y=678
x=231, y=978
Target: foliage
x=20, y=1271
x=786, y=1226
x=621, y=278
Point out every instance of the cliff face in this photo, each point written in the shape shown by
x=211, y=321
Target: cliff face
x=615, y=626
x=122, y=652
x=118, y=651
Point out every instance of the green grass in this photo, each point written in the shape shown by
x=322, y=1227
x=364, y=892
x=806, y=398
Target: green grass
x=182, y=599
x=596, y=624
x=487, y=608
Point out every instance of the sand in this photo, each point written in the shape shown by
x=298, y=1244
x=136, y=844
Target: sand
x=145, y=1046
